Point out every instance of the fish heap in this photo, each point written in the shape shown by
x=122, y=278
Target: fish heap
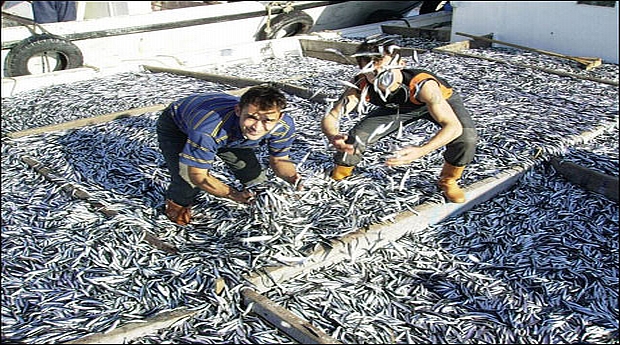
x=537, y=263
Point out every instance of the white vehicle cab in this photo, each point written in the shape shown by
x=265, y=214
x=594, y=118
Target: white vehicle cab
x=114, y=33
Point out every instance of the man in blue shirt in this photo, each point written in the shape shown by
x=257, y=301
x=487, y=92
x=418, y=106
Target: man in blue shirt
x=194, y=130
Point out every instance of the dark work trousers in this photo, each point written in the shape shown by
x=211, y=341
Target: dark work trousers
x=242, y=161
x=54, y=11
x=383, y=121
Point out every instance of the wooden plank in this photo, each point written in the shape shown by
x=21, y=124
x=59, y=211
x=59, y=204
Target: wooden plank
x=105, y=118
x=376, y=236
x=137, y=329
x=295, y=327
x=455, y=47
x=316, y=49
x=439, y=34
x=87, y=121
x=428, y=19
x=465, y=45
x=481, y=42
x=244, y=82
x=365, y=241
x=78, y=192
x=547, y=70
x=589, y=179
x=588, y=62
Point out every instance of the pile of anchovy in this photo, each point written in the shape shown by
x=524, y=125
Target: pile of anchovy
x=537, y=263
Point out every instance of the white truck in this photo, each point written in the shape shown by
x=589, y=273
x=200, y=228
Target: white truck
x=107, y=34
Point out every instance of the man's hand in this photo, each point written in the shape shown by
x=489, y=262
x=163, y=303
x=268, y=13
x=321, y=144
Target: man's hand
x=297, y=182
x=338, y=141
x=405, y=156
x=243, y=197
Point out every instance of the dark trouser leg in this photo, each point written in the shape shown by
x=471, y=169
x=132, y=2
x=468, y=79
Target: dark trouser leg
x=54, y=11
x=171, y=143
x=244, y=165
x=461, y=150
x=378, y=124
x=458, y=154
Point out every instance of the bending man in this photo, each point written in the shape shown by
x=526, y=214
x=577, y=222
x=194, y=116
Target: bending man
x=194, y=130
x=398, y=96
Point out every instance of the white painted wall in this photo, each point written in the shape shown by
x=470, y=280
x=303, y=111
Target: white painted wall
x=563, y=27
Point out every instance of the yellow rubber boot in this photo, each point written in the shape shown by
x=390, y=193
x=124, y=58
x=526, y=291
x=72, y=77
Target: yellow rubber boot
x=177, y=213
x=448, y=183
x=341, y=172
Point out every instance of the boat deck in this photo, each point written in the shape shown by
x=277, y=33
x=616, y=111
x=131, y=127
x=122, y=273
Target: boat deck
x=379, y=257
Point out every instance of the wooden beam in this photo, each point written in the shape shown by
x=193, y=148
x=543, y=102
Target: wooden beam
x=317, y=49
x=439, y=34
x=290, y=324
x=588, y=62
x=244, y=82
x=295, y=327
x=455, y=47
x=589, y=179
x=465, y=45
x=86, y=121
x=130, y=331
x=104, y=118
x=548, y=70
x=429, y=19
x=78, y=192
x=366, y=240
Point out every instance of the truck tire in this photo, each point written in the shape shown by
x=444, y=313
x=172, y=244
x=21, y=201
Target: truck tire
x=286, y=25
x=42, y=53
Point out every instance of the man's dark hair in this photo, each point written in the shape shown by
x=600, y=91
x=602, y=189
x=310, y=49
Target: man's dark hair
x=264, y=97
x=368, y=49
x=374, y=49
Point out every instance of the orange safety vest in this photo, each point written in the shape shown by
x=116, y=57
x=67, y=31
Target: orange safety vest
x=413, y=78
x=416, y=82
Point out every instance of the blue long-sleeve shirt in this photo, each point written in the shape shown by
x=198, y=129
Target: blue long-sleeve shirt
x=210, y=122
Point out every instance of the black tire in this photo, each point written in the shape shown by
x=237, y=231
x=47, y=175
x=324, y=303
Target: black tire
x=382, y=16
x=286, y=25
x=44, y=49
